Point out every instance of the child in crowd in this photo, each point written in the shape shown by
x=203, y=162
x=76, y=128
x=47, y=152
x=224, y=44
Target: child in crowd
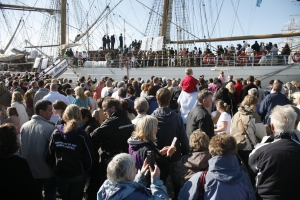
x=189, y=84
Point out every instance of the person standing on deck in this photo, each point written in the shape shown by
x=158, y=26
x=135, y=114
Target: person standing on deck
x=112, y=40
x=104, y=42
x=108, y=42
x=121, y=41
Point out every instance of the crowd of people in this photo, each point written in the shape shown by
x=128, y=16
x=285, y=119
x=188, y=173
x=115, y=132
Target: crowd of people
x=92, y=139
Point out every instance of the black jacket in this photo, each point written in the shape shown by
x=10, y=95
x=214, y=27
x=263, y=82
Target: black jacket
x=111, y=137
x=199, y=118
x=171, y=125
x=277, y=165
x=70, y=154
x=90, y=126
x=246, y=88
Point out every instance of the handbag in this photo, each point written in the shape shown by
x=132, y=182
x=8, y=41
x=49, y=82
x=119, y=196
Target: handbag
x=202, y=182
x=246, y=133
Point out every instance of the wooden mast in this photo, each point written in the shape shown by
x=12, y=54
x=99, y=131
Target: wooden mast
x=63, y=24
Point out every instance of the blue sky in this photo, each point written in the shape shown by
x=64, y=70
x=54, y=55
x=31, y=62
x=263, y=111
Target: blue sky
x=269, y=18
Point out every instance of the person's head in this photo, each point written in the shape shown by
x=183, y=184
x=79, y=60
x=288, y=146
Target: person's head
x=253, y=91
x=121, y=168
x=121, y=84
x=43, y=108
x=144, y=87
x=282, y=119
x=218, y=83
x=222, y=145
x=257, y=83
x=85, y=115
x=188, y=71
x=54, y=87
x=122, y=93
x=79, y=93
x=199, y=141
x=155, y=80
x=99, y=102
x=163, y=97
x=146, y=129
x=296, y=98
x=59, y=107
x=205, y=98
x=12, y=111
x=297, y=111
x=251, y=79
x=2, y=87
x=17, y=97
x=69, y=91
x=72, y=117
x=221, y=73
x=277, y=86
x=141, y=105
x=174, y=83
x=131, y=91
x=8, y=140
x=88, y=93
x=230, y=77
x=110, y=106
x=230, y=87
x=108, y=83
x=222, y=106
x=34, y=84
x=169, y=83
x=250, y=101
x=15, y=84
x=151, y=90
x=41, y=83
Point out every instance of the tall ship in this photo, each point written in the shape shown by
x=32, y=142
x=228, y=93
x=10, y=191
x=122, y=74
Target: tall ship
x=171, y=35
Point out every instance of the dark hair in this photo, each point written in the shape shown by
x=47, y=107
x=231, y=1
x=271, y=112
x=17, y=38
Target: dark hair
x=125, y=106
x=12, y=111
x=41, y=105
x=131, y=90
x=203, y=94
x=152, y=90
x=112, y=102
x=99, y=102
x=59, y=105
x=41, y=83
x=8, y=140
x=69, y=91
x=85, y=113
x=277, y=86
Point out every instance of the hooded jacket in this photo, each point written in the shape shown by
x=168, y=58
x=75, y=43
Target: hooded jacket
x=128, y=190
x=70, y=154
x=111, y=137
x=225, y=179
x=171, y=125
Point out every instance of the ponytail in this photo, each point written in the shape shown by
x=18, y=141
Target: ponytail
x=71, y=125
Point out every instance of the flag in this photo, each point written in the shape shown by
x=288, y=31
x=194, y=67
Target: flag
x=258, y=2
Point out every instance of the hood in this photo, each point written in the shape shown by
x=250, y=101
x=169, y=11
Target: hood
x=109, y=191
x=70, y=135
x=135, y=143
x=245, y=110
x=165, y=115
x=225, y=169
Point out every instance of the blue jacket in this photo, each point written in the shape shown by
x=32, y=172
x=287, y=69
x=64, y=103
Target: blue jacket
x=269, y=102
x=225, y=179
x=128, y=190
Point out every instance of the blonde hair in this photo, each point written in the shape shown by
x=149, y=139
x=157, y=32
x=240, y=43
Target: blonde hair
x=199, y=140
x=87, y=93
x=188, y=71
x=144, y=129
x=230, y=87
x=72, y=116
x=79, y=93
x=250, y=100
x=2, y=87
x=17, y=97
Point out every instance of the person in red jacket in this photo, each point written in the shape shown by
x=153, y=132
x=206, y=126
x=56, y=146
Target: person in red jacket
x=238, y=87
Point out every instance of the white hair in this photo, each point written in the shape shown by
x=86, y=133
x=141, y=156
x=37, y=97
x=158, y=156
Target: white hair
x=120, y=168
x=141, y=104
x=283, y=119
x=296, y=96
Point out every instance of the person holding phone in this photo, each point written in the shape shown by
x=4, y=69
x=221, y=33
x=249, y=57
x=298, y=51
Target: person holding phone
x=124, y=181
x=143, y=140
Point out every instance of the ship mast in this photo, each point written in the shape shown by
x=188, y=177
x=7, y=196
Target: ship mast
x=63, y=24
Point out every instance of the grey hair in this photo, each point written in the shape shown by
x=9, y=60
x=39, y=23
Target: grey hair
x=253, y=91
x=53, y=87
x=122, y=92
x=141, y=104
x=121, y=84
x=120, y=168
x=283, y=119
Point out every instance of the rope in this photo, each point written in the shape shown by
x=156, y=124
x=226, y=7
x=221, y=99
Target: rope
x=217, y=17
x=238, y=17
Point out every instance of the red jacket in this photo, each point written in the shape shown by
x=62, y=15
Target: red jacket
x=238, y=87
